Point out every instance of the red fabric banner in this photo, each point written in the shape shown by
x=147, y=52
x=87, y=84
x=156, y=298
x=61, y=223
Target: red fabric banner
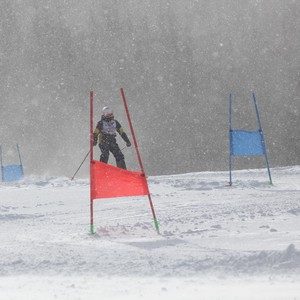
x=108, y=181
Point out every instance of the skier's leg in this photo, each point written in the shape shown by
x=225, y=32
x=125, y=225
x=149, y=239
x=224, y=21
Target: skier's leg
x=104, y=147
x=121, y=164
x=115, y=150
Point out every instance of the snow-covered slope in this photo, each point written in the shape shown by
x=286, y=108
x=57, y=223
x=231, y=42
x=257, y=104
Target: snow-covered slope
x=216, y=242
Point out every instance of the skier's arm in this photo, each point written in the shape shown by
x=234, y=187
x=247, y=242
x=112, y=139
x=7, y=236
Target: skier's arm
x=123, y=134
x=97, y=135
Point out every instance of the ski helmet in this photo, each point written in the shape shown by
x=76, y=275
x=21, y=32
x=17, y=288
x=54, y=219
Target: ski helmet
x=107, y=112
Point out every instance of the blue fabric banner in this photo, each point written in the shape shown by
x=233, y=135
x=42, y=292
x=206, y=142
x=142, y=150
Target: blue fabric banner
x=246, y=143
x=12, y=173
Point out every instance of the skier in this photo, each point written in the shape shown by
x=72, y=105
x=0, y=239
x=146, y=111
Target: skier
x=105, y=135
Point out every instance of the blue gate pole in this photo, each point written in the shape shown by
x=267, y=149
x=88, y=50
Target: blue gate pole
x=1, y=156
x=262, y=138
x=230, y=137
x=20, y=159
x=1, y=162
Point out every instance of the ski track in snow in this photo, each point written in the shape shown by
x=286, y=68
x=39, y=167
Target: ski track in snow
x=208, y=230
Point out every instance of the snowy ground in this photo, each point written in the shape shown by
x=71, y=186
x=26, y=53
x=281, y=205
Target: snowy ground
x=216, y=242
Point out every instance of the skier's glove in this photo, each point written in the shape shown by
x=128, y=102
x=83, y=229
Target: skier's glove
x=128, y=144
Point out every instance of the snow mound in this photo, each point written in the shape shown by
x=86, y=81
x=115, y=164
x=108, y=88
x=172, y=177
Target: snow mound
x=45, y=182
x=263, y=261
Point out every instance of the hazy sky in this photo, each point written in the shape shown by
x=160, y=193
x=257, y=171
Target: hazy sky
x=177, y=61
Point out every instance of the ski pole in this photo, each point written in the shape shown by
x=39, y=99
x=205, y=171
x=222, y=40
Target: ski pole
x=81, y=164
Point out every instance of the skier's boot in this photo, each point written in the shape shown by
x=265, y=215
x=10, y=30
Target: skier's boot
x=121, y=164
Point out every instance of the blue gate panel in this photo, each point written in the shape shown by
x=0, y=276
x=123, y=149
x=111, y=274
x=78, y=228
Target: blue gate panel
x=12, y=173
x=246, y=143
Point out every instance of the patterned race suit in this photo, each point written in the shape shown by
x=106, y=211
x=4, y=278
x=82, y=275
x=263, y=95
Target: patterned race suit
x=105, y=135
